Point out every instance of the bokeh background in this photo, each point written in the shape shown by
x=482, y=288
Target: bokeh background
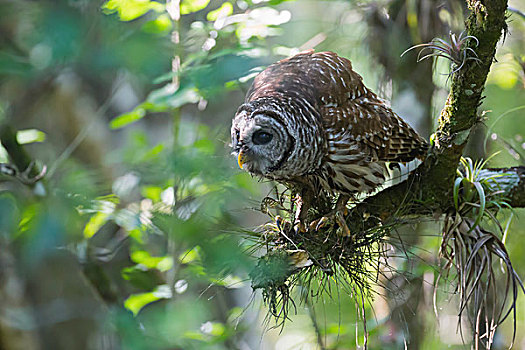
x=136, y=238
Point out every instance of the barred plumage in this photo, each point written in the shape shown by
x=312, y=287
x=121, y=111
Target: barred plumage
x=310, y=120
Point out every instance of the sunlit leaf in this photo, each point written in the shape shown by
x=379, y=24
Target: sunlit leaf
x=95, y=223
x=213, y=328
x=136, y=302
x=173, y=98
x=225, y=10
x=505, y=73
x=29, y=136
x=110, y=198
x=190, y=255
x=127, y=118
x=28, y=216
x=194, y=335
x=152, y=192
x=162, y=24
x=153, y=152
x=189, y=6
x=129, y=10
x=166, y=77
x=104, y=204
x=235, y=314
x=136, y=234
x=337, y=328
x=229, y=281
x=4, y=157
x=181, y=286
x=161, y=263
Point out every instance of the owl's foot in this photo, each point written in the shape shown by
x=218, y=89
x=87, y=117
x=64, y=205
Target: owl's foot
x=342, y=224
x=303, y=204
x=318, y=224
x=299, y=227
x=336, y=215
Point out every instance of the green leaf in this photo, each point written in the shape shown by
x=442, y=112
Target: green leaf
x=165, y=96
x=152, y=192
x=215, y=329
x=229, y=281
x=95, y=223
x=457, y=184
x=194, y=335
x=164, y=78
x=29, y=136
x=338, y=329
x=505, y=73
x=4, y=157
x=129, y=10
x=153, y=152
x=190, y=255
x=225, y=10
x=127, y=118
x=136, y=302
x=162, y=24
x=481, y=193
x=190, y=6
x=161, y=263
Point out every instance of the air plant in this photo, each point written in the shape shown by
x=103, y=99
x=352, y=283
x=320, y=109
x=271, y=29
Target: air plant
x=480, y=189
x=308, y=265
x=472, y=251
x=457, y=51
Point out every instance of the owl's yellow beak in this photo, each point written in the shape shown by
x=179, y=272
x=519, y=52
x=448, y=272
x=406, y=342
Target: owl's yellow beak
x=241, y=159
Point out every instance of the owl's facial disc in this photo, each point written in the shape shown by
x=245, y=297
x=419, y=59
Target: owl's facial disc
x=259, y=142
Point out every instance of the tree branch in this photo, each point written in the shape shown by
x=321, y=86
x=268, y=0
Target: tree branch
x=429, y=189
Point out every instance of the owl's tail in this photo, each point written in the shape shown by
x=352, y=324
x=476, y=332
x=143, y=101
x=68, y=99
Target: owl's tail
x=398, y=172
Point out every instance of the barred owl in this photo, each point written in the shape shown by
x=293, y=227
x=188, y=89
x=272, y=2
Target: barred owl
x=309, y=121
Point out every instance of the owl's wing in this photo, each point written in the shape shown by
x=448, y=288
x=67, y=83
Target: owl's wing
x=378, y=131
x=352, y=113
x=309, y=75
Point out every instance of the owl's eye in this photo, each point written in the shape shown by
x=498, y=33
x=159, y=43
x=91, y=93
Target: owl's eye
x=261, y=137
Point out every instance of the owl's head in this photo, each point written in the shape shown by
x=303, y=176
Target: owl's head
x=260, y=141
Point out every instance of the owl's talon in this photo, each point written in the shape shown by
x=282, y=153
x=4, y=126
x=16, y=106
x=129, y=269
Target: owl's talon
x=342, y=224
x=337, y=216
x=318, y=224
x=299, y=227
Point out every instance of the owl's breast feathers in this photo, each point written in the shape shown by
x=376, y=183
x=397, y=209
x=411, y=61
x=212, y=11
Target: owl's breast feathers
x=361, y=132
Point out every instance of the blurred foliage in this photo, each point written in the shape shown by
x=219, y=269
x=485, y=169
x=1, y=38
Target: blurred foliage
x=133, y=238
